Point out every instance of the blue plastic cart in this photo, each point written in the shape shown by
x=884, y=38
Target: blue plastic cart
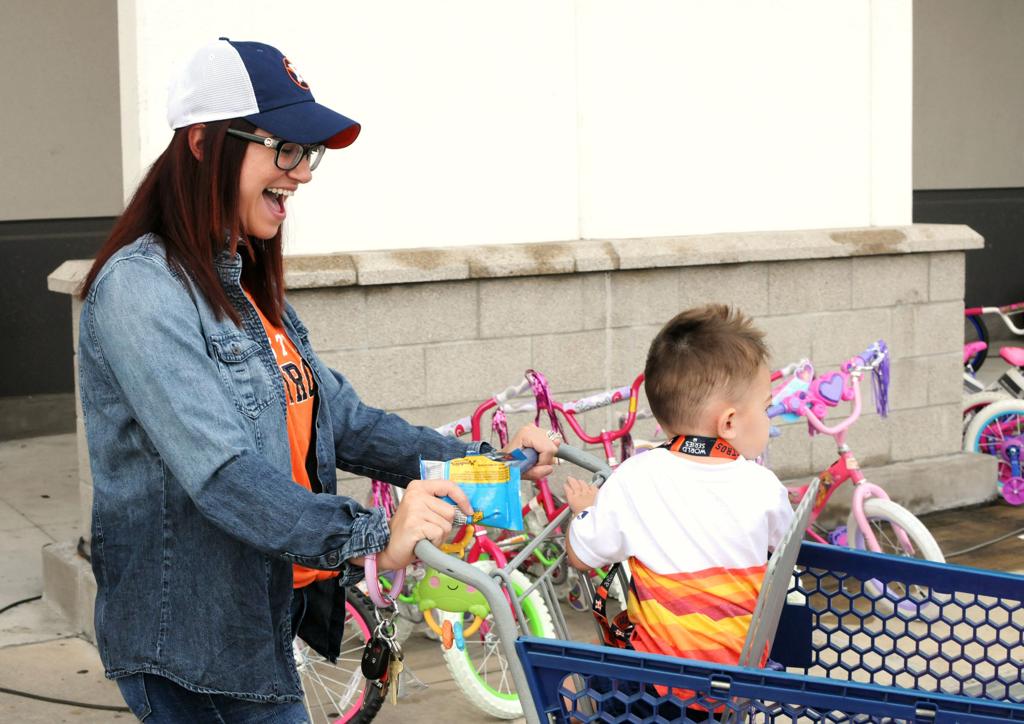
x=925, y=642
x=959, y=657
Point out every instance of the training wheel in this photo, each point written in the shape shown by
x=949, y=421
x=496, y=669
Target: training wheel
x=1013, y=490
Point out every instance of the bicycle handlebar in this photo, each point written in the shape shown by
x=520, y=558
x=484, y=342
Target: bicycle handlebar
x=871, y=357
x=568, y=410
x=601, y=399
x=609, y=397
x=458, y=428
x=819, y=425
x=829, y=389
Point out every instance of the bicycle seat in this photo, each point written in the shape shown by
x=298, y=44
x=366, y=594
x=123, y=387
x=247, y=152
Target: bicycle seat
x=1013, y=355
x=972, y=348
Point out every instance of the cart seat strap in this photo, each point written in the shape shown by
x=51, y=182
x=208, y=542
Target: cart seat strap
x=617, y=632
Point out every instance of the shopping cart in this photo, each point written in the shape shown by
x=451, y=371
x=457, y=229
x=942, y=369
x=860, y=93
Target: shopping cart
x=950, y=650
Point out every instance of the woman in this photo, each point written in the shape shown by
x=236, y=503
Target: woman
x=213, y=428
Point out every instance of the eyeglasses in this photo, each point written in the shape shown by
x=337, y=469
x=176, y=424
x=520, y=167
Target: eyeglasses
x=289, y=154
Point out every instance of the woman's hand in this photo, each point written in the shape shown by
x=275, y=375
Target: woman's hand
x=579, y=495
x=532, y=436
x=421, y=515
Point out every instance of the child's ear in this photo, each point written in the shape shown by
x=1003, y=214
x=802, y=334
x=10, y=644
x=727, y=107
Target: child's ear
x=727, y=423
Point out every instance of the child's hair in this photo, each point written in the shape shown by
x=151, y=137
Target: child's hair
x=700, y=352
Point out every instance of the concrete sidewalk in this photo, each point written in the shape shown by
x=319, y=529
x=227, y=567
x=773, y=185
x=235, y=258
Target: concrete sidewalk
x=38, y=654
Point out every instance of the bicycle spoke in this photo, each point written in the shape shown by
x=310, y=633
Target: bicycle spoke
x=316, y=693
x=504, y=684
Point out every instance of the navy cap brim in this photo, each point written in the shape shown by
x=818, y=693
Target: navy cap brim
x=308, y=122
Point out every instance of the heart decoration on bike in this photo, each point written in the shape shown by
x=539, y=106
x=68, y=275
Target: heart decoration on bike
x=831, y=388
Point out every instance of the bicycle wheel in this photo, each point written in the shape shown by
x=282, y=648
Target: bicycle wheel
x=998, y=430
x=981, y=332
x=974, y=403
x=337, y=693
x=480, y=669
x=884, y=517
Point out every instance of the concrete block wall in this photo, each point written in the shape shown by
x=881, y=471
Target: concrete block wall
x=429, y=334
x=432, y=351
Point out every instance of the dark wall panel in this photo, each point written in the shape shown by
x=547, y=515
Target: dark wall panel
x=995, y=274
x=35, y=322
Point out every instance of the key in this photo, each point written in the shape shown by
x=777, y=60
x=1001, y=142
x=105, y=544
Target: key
x=394, y=671
x=376, y=658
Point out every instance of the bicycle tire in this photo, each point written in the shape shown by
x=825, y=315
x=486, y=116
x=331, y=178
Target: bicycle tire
x=884, y=515
x=468, y=667
x=338, y=683
x=980, y=329
x=973, y=403
x=981, y=436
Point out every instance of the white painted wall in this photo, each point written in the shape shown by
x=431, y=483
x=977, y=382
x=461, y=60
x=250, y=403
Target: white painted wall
x=557, y=119
x=58, y=109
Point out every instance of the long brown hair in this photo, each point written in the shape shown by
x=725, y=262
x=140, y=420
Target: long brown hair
x=193, y=207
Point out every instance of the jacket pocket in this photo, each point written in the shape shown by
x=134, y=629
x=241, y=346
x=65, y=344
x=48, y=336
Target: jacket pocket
x=243, y=372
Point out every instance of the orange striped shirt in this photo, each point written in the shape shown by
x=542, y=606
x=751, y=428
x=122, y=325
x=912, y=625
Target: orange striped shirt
x=700, y=615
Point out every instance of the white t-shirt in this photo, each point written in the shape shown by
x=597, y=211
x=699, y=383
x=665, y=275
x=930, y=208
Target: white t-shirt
x=696, y=537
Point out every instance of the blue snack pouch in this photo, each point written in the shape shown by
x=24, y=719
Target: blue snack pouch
x=492, y=487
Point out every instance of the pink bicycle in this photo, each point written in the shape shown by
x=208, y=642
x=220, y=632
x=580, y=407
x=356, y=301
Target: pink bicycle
x=543, y=509
x=875, y=522
x=469, y=643
x=976, y=316
x=337, y=693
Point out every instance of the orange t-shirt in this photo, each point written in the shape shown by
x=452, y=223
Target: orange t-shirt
x=300, y=391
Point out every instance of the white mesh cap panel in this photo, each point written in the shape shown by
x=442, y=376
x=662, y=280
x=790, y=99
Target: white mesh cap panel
x=213, y=85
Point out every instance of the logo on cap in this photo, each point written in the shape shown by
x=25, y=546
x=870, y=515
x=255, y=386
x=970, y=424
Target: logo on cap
x=294, y=75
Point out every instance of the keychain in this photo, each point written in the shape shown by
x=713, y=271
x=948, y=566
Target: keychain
x=383, y=658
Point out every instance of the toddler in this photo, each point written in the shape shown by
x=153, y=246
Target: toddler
x=696, y=517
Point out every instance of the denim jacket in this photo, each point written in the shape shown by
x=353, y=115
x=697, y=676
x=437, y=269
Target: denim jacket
x=196, y=521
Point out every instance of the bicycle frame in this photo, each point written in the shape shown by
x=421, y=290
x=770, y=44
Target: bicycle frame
x=826, y=391
x=567, y=412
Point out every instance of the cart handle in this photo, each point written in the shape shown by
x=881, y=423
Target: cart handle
x=504, y=622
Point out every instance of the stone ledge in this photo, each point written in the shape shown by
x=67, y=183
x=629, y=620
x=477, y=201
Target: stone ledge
x=404, y=266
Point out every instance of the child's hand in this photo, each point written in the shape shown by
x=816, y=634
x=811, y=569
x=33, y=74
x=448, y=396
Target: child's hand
x=579, y=495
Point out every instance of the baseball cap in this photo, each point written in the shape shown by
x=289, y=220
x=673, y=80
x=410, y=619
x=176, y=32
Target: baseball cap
x=254, y=81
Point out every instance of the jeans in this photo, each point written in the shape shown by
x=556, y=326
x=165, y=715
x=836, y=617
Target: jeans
x=156, y=700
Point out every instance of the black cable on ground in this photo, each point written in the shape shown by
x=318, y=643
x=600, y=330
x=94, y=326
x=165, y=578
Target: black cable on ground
x=40, y=697
x=986, y=544
x=9, y=606
x=65, y=702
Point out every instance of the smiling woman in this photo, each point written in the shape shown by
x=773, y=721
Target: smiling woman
x=214, y=430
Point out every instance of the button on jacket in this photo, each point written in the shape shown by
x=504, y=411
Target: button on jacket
x=196, y=521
